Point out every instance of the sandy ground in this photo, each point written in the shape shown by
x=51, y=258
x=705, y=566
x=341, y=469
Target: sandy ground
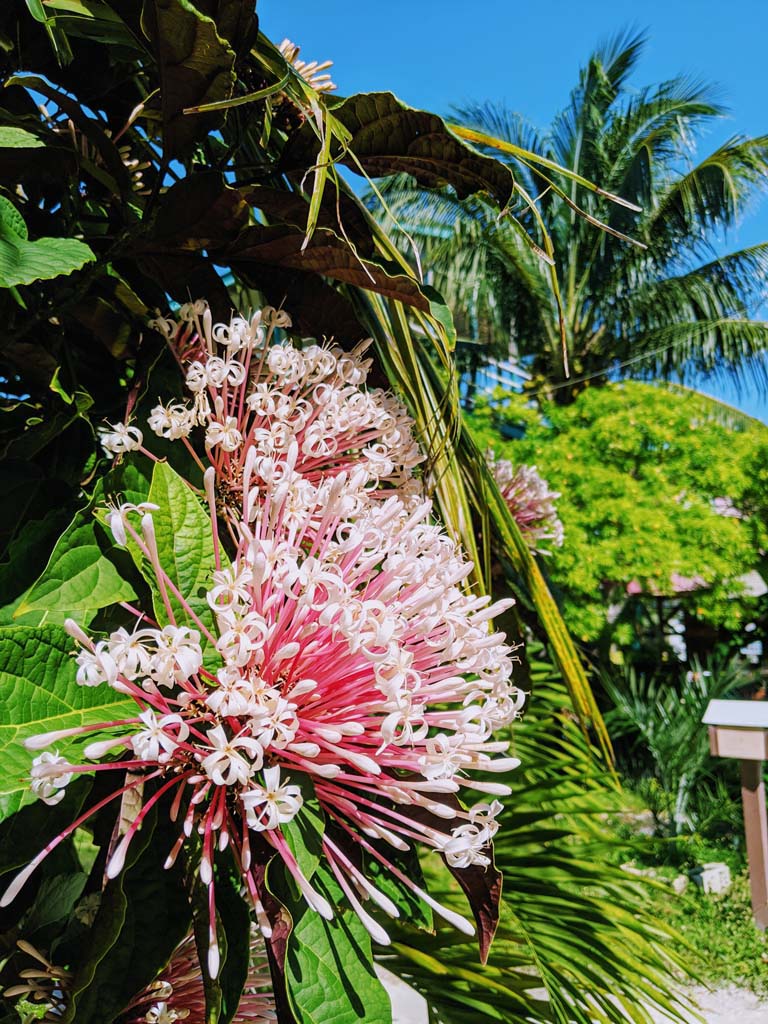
x=729, y=1005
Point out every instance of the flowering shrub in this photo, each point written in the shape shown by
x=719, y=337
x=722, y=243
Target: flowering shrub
x=311, y=684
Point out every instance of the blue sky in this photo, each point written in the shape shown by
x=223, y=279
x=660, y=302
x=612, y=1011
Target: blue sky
x=528, y=55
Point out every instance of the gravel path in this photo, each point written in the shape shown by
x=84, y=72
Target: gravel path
x=729, y=1005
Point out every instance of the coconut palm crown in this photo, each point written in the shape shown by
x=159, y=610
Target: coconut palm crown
x=670, y=305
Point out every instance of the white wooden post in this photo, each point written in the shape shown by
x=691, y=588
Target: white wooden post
x=739, y=729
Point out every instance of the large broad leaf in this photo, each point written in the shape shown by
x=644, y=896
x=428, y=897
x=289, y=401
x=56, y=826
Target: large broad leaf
x=196, y=67
x=388, y=137
x=481, y=885
x=22, y=261
x=185, y=274
x=304, y=833
x=412, y=909
x=185, y=547
x=108, y=169
x=283, y=246
x=87, y=571
x=339, y=212
x=80, y=577
x=40, y=694
x=235, y=925
x=236, y=21
x=198, y=212
x=24, y=834
x=574, y=926
x=328, y=969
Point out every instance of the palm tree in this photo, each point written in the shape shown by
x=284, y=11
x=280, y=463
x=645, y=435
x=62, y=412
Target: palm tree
x=668, y=305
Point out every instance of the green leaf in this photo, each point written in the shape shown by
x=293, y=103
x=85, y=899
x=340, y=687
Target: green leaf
x=81, y=576
x=55, y=899
x=389, y=137
x=90, y=19
x=328, y=966
x=198, y=899
x=40, y=694
x=25, y=559
x=233, y=925
x=87, y=570
x=185, y=547
x=24, y=833
x=338, y=210
x=113, y=175
x=18, y=138
x=22, y=261
x=11, y=221
x=304, y=833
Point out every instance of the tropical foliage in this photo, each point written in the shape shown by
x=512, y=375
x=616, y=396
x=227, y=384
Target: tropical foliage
x=656, y=722
x=651, y=509
x=161, y=152
x=574, y=922
x=665, y=303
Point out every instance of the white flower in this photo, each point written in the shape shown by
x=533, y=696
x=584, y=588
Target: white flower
x=484, y=817
x=220, y=371
x=50, y=775
x=231, y=588
x=225, y=765
x=233, y=698
x=172, y=421
x=244, y=635
x=405, y=725
x=162, y=1013
x=276, y=724
x=178, y=655
x=312, y=72
x=117, y=518
x=197, y=378
x=96, y=666
x=129, y=652
x=155, y=743
x=225, y=434
x=443, y=757
x=467, y=846
x=119, y=438
x=271, y=804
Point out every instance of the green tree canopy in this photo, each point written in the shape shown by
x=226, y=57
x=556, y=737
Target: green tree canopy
x=661, y=494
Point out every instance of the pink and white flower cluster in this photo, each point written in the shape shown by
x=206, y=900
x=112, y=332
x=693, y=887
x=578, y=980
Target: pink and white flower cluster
x=344, y=660
x=531, y=502
x=250, y=395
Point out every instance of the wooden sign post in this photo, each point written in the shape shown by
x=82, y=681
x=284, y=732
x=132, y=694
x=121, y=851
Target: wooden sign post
x=739, y=728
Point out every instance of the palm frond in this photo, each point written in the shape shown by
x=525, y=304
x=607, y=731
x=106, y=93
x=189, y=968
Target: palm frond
x=618, y=55
x=712, y=195
x=726, y=348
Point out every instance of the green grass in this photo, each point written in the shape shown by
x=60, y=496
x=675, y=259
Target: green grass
x=725, y=946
